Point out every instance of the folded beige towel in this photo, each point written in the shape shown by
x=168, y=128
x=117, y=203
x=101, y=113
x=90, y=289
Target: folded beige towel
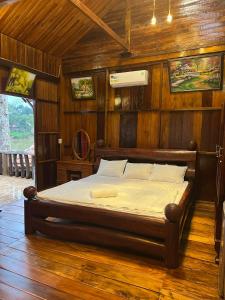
x=103, y=192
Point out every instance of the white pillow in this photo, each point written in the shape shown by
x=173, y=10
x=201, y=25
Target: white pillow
x=168, y=173
x=114, y=168
x=138, y=171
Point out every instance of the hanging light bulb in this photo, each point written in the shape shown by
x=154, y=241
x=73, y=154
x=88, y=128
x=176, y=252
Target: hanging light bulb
x=169, y=17
x=153, y=20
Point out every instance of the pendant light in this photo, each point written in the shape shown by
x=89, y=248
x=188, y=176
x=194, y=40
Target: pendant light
x=153, y=20
x=169, y=17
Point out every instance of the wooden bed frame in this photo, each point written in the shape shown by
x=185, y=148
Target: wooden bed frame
x=156, y=237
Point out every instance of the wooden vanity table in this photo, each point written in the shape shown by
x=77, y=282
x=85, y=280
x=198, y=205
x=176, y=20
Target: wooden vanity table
x=73, y=170
x=79, y=167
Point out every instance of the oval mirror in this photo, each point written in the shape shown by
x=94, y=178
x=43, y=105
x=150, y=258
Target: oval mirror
x=81, y=144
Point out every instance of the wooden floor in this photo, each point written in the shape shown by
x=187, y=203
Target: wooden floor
x=35, y=267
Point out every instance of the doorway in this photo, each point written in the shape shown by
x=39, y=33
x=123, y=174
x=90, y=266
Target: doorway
x=17, y=136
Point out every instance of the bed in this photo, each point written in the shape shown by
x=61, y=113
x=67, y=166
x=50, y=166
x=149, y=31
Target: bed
x=125, y=222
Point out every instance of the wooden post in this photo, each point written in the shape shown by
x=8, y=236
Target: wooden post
x=173, y=213
x=5, y=167
x=30, y=193
x=27, y=164
x=10, y=169
x=22, y=168
x=33, y=166
x=16, y=168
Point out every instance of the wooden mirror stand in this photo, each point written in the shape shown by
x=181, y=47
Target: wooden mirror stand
x=81, y=145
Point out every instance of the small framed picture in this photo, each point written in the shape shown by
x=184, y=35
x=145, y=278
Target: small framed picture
x=20, y=82
x=196, y=73
x=83, y=88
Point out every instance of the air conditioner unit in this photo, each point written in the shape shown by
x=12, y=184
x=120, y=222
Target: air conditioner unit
x=133, y=78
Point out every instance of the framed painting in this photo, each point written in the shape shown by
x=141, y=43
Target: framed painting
x=196, y=73
x=83, y=88
x=20, y=82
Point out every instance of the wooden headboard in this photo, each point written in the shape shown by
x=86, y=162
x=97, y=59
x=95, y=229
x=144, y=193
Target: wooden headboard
x=169, y=156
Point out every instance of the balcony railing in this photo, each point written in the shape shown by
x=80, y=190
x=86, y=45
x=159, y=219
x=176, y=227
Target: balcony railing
x=15, y=163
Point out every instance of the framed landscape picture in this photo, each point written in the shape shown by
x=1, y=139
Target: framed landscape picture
x=20, y=82
x=196, y=73
x=83, y=88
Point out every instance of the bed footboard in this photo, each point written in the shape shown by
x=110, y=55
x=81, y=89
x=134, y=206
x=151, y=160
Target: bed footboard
x=164, y=245
x=176, y=216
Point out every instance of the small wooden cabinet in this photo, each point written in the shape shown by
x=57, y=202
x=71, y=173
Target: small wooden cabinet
x=73, y=170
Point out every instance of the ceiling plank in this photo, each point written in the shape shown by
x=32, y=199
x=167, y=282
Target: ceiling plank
x=128, y=23
x=6, y=2
x=98, y=21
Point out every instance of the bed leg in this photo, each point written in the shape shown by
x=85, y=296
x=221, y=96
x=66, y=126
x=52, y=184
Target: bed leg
x=172, y=245
x=173, y=213
x=27, y=218
x=30, y=193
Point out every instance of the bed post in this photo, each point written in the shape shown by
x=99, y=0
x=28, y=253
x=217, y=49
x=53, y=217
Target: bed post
x=173, y=214
x=30, y=192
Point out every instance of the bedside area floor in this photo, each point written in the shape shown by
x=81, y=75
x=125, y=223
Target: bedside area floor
x=37, y=267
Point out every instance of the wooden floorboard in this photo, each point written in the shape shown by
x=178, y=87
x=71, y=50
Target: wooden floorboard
x=37, y=267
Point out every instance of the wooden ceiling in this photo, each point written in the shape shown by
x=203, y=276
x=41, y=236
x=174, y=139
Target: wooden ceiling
x=54, y=26
x=59, y=28
x=196, y=23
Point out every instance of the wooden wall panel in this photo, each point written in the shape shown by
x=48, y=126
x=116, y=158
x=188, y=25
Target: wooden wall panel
x=98, y=103
x=46, y=174
x=113, y=129
x=72, y=124
x=47, y=117
x=164, y=130
x=148, y=130
x=180, y=129
x=206, y=187
x=86, y=114
x=156, y=86
x=100, y=126
x=179, y=117
x=47, y=149
x=4, y=73
x=89, y=123
x=136, y=97
x=23, y=54
x=46, y=133
x=197, y=127
x=151, y=117
x=210, y=130
x=100, y=84
x=128, y=130
x=70, y=105
x=46, y=90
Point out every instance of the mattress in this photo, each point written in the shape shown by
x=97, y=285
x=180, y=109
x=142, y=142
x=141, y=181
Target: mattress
x=141, y=197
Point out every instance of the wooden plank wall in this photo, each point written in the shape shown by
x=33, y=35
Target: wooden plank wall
x=47, y=132
x=149, y=117
x=46, y=102
x=23, y=54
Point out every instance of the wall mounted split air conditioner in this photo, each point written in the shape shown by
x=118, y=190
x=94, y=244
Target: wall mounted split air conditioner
x=133, y=78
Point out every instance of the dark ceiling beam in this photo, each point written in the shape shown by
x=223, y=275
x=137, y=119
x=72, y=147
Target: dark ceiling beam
x=98, y=21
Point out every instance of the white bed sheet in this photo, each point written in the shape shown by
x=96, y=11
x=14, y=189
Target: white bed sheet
x=142, y=197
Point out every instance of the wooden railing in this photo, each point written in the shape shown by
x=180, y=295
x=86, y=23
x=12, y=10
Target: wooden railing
x=14, y=163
